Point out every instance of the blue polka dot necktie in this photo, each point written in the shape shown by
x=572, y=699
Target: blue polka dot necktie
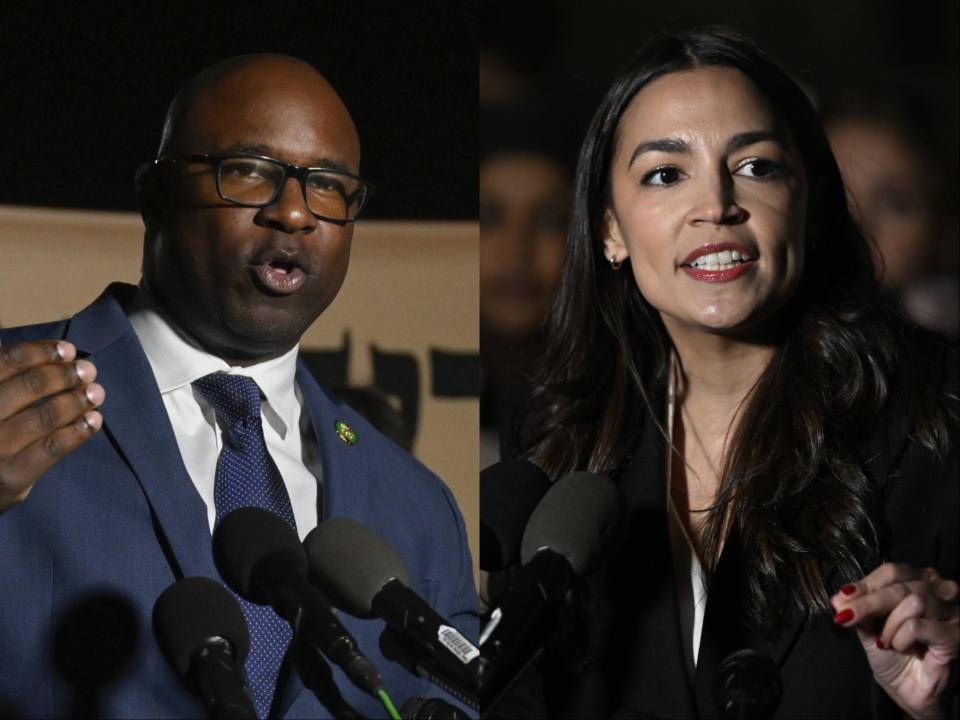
x=247, y=477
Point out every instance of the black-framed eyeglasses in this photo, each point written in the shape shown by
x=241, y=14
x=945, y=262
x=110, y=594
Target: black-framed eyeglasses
x=256, y=181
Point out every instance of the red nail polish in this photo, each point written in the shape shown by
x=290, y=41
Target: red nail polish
x=880, y=643
x=848, y=589
x=843, y=617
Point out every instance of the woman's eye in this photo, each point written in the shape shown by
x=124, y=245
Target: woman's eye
x=662, y=176
x=758, y=169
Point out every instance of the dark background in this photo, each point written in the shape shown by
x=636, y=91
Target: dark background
x=85, y=86
x=570, y=51
x=823, y=41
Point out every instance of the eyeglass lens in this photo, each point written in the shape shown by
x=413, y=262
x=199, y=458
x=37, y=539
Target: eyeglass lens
x=254, y=181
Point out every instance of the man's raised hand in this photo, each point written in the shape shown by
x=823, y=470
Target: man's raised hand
x=47, y=401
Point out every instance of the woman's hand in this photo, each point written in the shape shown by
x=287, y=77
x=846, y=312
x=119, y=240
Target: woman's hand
x=908, y=620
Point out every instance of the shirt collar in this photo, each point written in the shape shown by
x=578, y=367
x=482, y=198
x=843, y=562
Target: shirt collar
x=177, y=360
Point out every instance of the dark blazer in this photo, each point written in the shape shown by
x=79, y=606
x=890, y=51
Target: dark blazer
x=634, y=665
x=106, y=530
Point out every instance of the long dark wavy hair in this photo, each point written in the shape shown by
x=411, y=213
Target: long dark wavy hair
x=792, y=485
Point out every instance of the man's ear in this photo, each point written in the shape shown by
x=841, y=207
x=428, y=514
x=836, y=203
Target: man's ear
x=150, y=189
x=614, y=248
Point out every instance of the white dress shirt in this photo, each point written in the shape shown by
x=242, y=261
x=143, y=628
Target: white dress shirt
x=177, y=361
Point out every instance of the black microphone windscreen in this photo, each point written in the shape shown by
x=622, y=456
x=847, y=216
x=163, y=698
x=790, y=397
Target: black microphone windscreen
x=749, y=686
x=193, y=610
x=247, y=536
x=352, y=564
x=509, y=492
x=577, y=518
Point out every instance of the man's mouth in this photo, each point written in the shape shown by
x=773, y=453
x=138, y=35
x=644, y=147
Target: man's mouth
x=281, y=277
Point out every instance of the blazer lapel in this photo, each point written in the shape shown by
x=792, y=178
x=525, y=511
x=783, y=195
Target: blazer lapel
x=136, y=422
x=650, y=605
x=725, y=627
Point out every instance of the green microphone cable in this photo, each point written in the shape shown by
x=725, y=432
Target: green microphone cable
x=388, y=704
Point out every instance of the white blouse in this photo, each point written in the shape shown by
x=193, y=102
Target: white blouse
x=691, y=585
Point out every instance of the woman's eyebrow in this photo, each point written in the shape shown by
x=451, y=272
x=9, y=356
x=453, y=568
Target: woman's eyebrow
x=752, y=137
x=666, y=145
x=676, y=145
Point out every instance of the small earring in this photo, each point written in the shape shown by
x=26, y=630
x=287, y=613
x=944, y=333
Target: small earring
x=614, y=263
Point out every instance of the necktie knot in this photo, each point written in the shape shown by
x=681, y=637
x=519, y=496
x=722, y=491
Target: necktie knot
x=235, y=398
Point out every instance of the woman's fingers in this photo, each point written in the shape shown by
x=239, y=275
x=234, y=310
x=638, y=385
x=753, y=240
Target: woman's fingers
x=919, y=617
x=941, y=637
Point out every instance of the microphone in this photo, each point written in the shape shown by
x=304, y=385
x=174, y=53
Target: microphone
x=565, y=538
x=364, y=576
x=201, y=629
x=94, y=638
x=749, y=686
x=260, y=557
x=509, y=492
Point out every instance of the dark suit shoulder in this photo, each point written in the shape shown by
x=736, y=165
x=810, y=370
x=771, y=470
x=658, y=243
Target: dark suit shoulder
x=93, y=327
x=41, y=331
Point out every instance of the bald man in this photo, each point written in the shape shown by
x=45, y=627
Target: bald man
x=113, y=469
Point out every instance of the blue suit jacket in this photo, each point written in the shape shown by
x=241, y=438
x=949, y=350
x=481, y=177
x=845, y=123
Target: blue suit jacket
x=107, y=529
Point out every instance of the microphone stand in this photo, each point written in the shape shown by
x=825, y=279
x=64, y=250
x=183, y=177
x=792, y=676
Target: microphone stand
x=511, y=642
x=317, y=676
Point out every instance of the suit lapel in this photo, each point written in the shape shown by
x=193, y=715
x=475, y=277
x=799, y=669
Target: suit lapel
x=342, y=462
x=725, y=627
x=136, y=422
x=337, y=496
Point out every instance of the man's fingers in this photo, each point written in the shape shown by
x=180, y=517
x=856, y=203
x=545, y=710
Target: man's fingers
x=47, y=398
x=14, y=359
x=49, y=415
x=20, y=472
x=37, y=382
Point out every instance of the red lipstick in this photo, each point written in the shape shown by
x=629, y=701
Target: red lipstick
x=718, y=276
x=743, y=264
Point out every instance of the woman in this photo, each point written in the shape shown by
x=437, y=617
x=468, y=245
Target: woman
x=719, y=346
